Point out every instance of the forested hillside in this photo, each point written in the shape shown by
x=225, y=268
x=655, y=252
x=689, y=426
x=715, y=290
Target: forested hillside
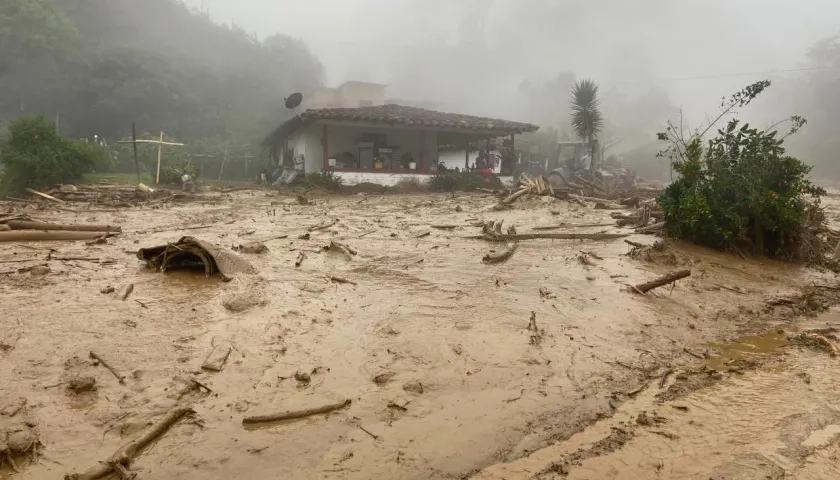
x=99, y=65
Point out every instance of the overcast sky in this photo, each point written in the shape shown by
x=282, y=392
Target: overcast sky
x=618, y=42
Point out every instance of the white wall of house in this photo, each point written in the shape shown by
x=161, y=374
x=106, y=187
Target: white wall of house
x=391, y=179
x=345, y=138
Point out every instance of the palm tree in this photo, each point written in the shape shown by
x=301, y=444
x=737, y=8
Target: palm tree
x=587, y=120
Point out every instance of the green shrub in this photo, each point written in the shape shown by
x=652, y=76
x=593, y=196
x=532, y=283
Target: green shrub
x=456, y=181
x=326, y=179
x=171, y=172
x=738, y=186
x=35, y=155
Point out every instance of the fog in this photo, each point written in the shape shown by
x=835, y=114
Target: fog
x=475, y=54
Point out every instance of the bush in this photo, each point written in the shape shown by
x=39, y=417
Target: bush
x=738, y=186
x=171, y=172
x=326, y=179
x=35, y=155
x=456, y=181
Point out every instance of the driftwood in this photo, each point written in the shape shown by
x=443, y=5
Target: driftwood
x=555, y=236
x=44, y=195
x=513, y=196
x=122, y=458
x=216, y=359
x=655, y=228
x=42, y=226
x=301, y=257
x=658, y=282
x=292, y=414
x=634, y=244
x=322, y=227
x=36, y=236
x=121, y=378
x=340, y=247
x=445, y=227
x=335, y=279
x=501, y=256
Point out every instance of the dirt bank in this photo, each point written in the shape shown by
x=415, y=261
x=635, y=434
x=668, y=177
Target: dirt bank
x=429, y=343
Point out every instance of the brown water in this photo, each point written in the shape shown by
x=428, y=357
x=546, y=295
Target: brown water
x=779, y=421
x=424, y=308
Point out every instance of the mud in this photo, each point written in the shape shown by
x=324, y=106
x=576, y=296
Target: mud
x=760, y=422
x=466, y=387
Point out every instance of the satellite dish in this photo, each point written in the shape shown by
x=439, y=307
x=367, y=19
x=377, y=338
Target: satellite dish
x=293, y=100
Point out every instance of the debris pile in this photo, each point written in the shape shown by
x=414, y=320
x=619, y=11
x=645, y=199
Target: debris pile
x=192, y=253
x=20, y=227
x=110, y=195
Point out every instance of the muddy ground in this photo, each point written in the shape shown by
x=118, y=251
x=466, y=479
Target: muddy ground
x=430, y=344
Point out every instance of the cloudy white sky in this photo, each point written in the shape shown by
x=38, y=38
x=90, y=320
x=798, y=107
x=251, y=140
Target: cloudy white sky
x=618, y=42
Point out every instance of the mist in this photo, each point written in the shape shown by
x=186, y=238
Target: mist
x=216, y=71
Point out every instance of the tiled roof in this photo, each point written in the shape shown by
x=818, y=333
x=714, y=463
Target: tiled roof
x=407, y=116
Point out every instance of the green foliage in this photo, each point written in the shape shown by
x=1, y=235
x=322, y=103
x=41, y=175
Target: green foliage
x=31, y=30
x=738, y=186
x=103, y=64
x=171, y=172
x=456, y=181
x=587, y=120
x=35, y=155
x=324, y=179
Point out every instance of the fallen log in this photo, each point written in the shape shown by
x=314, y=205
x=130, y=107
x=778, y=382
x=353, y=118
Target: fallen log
x=513, y=196
x=45, y=227
x=655, y=228
x=36, y=236
x=123, y=457
x=44, y=195
x=553, y=236
x=105, y=364
x=322, y=227
x=293, y=414
x=501, y=256
x=658, y=282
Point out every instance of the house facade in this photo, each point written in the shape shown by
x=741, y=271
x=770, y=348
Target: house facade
x=384, y=143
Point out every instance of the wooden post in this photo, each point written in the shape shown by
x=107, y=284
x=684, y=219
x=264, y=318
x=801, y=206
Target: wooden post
x=160, y=146
x=513, y=154
x=325, y=146
x=224, y=159
x=421, y=163
x=134, y=144
x=467, y=157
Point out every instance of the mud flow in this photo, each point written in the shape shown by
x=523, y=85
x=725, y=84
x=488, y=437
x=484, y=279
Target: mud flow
x=384, y=337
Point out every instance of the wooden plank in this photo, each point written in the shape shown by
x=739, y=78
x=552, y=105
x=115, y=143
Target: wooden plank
x=217, y=359
x=44, y=195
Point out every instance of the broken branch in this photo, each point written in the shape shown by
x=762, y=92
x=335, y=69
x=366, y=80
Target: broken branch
x=664, y=280
x=110, y=368
x=293, y=414
x=127, y=453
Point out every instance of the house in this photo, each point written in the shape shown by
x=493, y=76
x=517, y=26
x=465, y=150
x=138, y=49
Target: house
x=378, y=143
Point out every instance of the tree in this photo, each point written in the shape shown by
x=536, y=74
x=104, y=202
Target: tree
x=739, y=185
x=587, y=120
x=30, y=30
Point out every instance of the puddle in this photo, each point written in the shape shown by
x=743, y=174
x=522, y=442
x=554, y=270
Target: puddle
x=750, y=347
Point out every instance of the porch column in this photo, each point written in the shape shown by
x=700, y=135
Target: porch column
x=467, y=156
x=512, y=153
x=325, y=145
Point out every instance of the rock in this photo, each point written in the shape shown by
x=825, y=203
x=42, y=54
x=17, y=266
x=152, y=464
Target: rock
x=413, y=387
x=108, y=289
x=82, y=384
x=253, y=248
x=459, y=209
x=4, y=228
x=21, y=441
x=67, y=188
x=383, y=378
x=305, y=236
x=243, y=301
x=39, y=270
x=303, y=377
